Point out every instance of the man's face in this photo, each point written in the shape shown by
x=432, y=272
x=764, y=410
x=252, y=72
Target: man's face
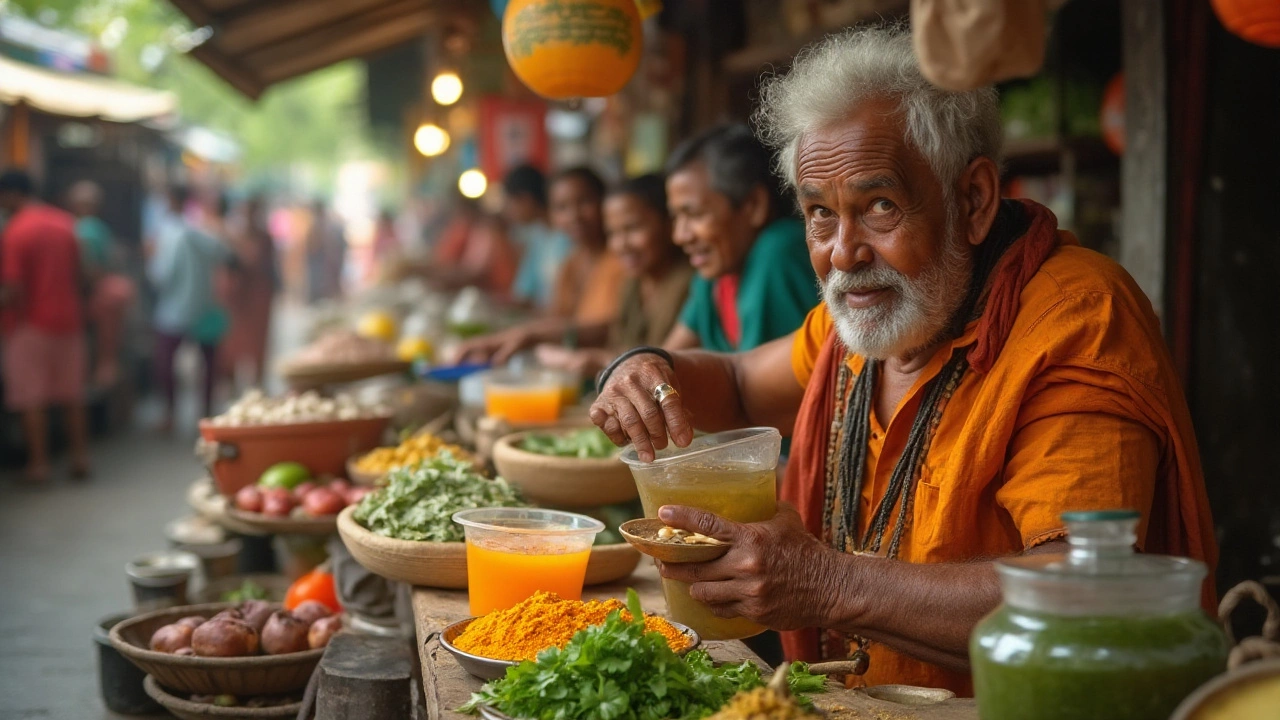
x=575, y=211
x=713, y=233
x=883, y=236
x=521, y=209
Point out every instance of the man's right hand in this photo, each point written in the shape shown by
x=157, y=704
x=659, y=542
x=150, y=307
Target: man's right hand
x=628, y=411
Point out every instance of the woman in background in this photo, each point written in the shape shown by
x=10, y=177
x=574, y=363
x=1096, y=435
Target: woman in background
x=253, y=284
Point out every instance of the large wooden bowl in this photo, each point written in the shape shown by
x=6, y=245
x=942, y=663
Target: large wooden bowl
x=248, y=676
x=289, y=525
x=188, y=710
x=444, y=565
x=563, y=482
x=431, y=564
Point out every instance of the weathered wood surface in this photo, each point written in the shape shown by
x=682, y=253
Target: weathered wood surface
x=365, y=676
x=447, y=686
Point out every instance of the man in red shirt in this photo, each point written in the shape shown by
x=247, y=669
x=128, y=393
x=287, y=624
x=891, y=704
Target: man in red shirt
x=41, y=325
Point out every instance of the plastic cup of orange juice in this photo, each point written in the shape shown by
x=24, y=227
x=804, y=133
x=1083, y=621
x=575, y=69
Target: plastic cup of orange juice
x=533, y=396
x=513, y=553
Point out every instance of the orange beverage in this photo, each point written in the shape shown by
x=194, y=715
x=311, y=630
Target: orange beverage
x=523, y=405
x=513, y=553
x=498, y=579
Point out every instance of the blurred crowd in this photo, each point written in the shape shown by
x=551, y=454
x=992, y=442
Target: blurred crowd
x=706, y=255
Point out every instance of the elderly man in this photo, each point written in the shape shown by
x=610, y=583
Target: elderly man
x=971, y=374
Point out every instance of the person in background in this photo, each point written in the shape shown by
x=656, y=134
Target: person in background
x=181, y=267
x=254, y=282
x=386, y=241
x=111, y=293
x=326, y=254
x=586, y=288
x=473, y=251
x=754, y=281
x=655, y=288
x=42, y=324
x=543, y=249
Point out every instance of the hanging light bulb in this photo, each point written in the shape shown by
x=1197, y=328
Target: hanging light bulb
x=446, y=88
x=430, y=139
x=472, y=183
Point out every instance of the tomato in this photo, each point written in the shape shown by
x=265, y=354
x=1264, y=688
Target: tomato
x=316, y=585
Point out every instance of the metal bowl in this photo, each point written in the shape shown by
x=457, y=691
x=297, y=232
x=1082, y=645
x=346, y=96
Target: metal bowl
x=490, y=669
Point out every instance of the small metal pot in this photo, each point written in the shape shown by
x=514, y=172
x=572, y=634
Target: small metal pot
x=160, y=579
x=120, y=681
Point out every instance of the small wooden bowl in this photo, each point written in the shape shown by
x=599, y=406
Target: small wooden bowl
x=360, y=477
x=642, y=533
x=323, y=525
x=611, y=563
x=563, y=482
x=188, y=710
x=431, y=564
x=249, y=676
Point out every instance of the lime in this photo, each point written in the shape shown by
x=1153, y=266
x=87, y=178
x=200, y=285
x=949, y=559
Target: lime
x=287, y=475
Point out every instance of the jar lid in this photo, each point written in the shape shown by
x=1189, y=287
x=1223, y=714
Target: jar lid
x=1101, y=574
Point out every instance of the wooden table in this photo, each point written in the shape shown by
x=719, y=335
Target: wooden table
x=446, y=686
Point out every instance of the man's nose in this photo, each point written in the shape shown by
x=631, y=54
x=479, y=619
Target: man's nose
x=851, y=249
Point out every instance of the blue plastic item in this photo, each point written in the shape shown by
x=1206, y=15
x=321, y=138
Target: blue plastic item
x=454, y=373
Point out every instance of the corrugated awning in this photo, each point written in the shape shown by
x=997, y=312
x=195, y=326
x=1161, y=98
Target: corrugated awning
x=80, y=94
x=256, y=43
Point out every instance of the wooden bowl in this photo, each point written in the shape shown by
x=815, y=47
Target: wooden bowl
x=611, y=563
x=305, y=376
x=431, y=564
x=291, y=525
x=563, y=482
x=248, y=676
x=359, y=477
x=642, y=534
x=444, y=565
x=188, y=710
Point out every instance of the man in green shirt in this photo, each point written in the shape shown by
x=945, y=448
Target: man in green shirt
x=755, y=282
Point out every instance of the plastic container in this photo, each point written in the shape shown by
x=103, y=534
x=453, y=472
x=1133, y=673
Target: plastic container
x=732, y=474
x=119, y=680
x=1100, y=632
x=513, y=553
x=533, y=396
x=237, y=456
x=161, y=579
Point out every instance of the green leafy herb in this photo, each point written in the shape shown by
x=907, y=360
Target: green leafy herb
x=250, y=590
x=617, y=671
x=418, y=502
x=589, y=443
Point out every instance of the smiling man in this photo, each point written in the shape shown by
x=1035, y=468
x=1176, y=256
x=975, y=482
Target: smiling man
x=971, y=373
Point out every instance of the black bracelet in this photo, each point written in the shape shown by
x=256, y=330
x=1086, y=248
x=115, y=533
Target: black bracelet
x=603, y=377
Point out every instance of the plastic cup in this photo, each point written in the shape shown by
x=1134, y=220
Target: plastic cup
x=533, y=396
x=732, y=474
x=513, y=553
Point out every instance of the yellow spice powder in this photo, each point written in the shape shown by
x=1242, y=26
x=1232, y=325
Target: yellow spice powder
x=545, y=620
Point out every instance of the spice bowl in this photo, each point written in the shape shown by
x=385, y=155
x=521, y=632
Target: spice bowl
x=491, y=669
x=642, y=534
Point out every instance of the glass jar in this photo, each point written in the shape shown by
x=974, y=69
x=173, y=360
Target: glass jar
x=1100, y=632
x=732, y=474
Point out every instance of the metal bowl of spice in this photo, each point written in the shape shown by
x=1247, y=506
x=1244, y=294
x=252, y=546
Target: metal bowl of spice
x=504, y=638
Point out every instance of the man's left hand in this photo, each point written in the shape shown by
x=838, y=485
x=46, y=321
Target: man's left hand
x=776, y=573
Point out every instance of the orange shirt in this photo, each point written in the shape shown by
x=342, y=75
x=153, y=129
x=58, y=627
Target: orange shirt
x=587, y=288
x=1074, y=415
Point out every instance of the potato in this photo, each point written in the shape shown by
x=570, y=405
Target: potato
x=224, y=637
x=323, y=630
x=171, y=638
x=309, y=611
x=284, y=633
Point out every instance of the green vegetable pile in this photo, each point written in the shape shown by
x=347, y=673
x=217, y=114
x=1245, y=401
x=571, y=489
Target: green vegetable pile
x=418, y=502
x=589, y=443
x=250, y=590
x=617, y=671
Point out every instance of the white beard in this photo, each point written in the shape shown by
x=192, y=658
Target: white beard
x=916, y=312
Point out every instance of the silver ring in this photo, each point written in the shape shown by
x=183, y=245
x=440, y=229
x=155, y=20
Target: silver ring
x=664, y=391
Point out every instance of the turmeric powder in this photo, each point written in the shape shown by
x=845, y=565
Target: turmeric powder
x=544, y=620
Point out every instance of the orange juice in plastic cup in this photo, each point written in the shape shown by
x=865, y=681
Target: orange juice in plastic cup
x=513, y=553
x=532, y=397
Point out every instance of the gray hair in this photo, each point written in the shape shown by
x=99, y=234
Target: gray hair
x=830, y=78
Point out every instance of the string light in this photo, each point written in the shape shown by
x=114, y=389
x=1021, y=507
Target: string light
x=430, y=139
x=472, y=183
x=446, y=88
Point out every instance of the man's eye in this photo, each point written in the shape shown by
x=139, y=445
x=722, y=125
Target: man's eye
x=819, y=212
x=882, y=206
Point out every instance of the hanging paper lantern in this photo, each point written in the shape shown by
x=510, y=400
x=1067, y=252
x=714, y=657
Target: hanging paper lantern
x=1257, y=21
x=1112, y=120
x=566, y=49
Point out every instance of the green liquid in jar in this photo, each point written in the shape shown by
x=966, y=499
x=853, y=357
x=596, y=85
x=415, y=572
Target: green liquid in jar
x=1053, y=667
x=735, y=492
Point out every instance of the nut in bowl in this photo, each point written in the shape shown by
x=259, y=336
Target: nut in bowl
x=652, y=537
x=569, y=468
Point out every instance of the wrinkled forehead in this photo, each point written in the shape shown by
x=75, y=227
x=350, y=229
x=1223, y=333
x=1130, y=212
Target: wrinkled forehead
x=867, y=148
